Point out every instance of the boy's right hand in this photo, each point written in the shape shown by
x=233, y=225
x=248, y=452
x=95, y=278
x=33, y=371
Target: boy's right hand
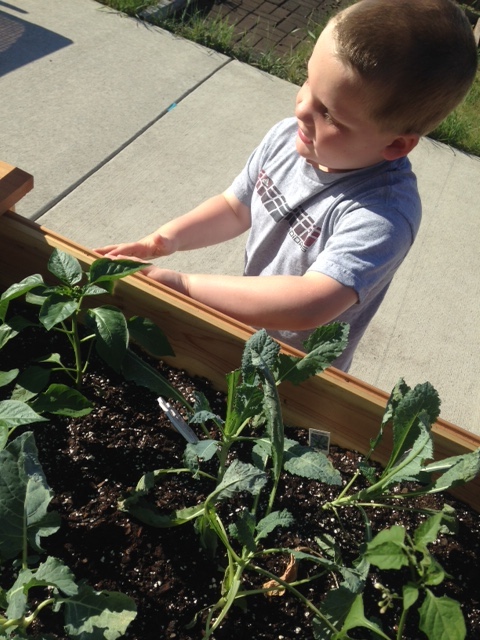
x=148, y=248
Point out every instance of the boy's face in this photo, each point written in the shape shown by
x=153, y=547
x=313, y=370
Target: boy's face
x=334, y=131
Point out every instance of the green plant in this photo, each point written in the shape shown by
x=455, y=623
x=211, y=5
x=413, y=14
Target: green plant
x=254, y=420
x=24, y=502
x=62, y=308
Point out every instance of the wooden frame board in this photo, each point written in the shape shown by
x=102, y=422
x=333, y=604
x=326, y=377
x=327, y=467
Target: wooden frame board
x=210, y=344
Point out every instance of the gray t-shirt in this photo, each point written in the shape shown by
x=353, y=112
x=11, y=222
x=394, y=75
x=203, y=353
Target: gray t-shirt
x=356, y=227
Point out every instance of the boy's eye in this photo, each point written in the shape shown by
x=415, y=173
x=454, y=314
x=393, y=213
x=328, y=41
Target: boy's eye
x=328, y=118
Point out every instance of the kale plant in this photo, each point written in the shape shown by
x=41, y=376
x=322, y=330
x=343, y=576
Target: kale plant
x=254, y=407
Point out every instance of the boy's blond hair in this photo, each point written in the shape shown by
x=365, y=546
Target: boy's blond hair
x=419, y=56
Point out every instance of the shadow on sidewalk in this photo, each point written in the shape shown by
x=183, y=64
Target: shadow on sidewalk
x=22, y=42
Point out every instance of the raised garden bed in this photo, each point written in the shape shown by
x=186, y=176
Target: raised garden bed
x=93, y=462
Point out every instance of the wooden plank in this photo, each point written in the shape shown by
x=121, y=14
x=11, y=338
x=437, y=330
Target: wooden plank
x=209, y=344
x=14, y=184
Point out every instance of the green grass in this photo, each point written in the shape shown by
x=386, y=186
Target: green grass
x=460, y=130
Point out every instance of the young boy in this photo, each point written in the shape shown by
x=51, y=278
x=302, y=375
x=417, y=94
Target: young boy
x=329, y=195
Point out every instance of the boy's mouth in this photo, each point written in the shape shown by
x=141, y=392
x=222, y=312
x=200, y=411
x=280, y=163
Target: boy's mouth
x=303, y=137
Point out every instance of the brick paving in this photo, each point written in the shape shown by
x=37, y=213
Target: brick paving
x=274, y=25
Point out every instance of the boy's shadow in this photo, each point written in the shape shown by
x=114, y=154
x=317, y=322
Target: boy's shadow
x=22, y=42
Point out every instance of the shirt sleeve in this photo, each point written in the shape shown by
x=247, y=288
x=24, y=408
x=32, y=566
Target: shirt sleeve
x=365, y=249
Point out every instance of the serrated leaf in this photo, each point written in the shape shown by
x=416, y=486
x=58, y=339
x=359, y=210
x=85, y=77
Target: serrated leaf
x=98, y=615
x=239, y=476
x=460, y=469
x=24, y=498
x=65, y=267
x=259, y=348
x=412, y=414
x=201, y=410
x=55, y=309
x=110, y=327
x=52, y=572
x=409, y=465
x=149, y=336
x=323, y=346
x=309, y=463
x=441, y=618
x=387, y=549
x=274, y=519
x=59, y=399
x=204, y=450
x=244, y=529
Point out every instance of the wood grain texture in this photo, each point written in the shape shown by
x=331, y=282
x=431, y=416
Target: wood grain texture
x=14, y=184
x=209, y=344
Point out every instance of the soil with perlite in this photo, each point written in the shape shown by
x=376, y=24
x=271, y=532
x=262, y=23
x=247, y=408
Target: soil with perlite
x=91, y=463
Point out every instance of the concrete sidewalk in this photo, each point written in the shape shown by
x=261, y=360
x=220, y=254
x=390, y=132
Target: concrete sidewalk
x=125, y=126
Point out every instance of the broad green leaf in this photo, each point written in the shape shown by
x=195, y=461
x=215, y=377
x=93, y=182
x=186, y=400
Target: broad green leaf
x=6, y=377
x=22, y=287
x=98, y=615
x=149, y=336
x=431, y=570
x=387, y=549
x=52, y=572
x=459, y=470
x=30, y=382
x=15, y=414
x=62, y=400
x=233, y=416
x=137, y=370
x=11, y=329
x=239, y=477
x=111, y=331
x=335, y=608
x=65, y=267
x=55, y=309
x=274, y=519
x=323, y=346
x=356, y=617
x=427, y=532
x=53, y=358
x=203, y=450
x=410, y=595
x=104, y=270
x=441, y=618
x=308, y=463
x=24, y=498
x=94, y=290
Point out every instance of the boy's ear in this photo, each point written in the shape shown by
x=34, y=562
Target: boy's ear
x=400, y=147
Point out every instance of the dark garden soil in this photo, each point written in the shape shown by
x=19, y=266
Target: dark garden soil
x=91, y=463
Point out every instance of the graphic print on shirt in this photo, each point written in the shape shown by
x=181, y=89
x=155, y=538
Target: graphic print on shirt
x=303, y=229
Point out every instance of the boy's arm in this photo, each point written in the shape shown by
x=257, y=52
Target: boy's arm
x=292, y=303
x=217, y=219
